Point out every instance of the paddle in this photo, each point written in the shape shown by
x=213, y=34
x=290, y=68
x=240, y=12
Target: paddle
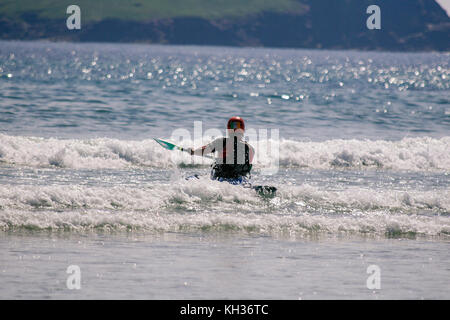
x=266, y=191
x=171, y=146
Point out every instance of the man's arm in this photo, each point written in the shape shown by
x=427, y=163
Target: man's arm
x=209, y=148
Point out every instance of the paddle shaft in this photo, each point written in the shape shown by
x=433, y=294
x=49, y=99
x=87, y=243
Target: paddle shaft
x=171, y=146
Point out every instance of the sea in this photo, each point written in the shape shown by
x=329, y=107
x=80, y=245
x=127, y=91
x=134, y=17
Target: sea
x=91, y=207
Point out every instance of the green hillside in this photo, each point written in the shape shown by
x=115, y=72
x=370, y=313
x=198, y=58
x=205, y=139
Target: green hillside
x=407, y=25
x=141, y=10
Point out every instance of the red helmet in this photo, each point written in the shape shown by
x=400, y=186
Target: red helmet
x=236, y=123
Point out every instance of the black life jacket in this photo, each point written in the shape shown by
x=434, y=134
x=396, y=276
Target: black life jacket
x=232, y=170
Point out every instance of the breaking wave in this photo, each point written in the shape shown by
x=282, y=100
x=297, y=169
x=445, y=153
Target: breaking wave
x=414, y=154
x=190, y=205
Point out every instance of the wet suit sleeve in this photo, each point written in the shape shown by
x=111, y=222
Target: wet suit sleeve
x=209, y=148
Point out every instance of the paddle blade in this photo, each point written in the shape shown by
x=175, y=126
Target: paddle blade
x=166, y=145
x=171, y=146
x=265, y=191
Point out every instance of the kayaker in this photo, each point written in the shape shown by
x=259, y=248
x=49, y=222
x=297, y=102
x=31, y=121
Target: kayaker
x=235, y=156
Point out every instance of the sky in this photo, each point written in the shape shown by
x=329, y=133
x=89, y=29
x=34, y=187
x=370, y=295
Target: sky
x=445, y=4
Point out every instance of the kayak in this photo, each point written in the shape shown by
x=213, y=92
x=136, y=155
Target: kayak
x=265, y=191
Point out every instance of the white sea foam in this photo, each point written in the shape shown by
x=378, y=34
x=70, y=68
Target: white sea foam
x=376, y=223
x=190, y=205
x=415, y=154
x=90, y=153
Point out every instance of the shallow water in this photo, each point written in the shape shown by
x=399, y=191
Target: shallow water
x=362, y=173
x=220, y=266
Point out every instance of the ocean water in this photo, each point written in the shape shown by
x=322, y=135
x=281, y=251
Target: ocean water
x=361, y=163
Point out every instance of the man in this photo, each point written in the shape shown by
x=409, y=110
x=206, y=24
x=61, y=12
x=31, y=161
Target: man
x=235, y=156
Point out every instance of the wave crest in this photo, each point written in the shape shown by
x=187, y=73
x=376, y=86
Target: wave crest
x=414, y=154
x=190, y=205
